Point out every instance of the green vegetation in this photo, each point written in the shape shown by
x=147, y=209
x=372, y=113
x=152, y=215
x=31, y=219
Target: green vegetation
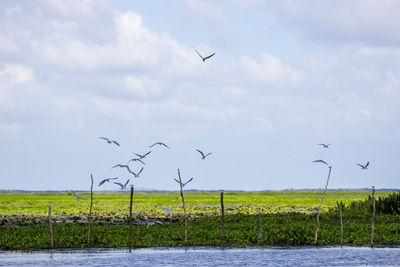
x=288, y=219
x=240, y=231
x=385, y=205
x=34, y=204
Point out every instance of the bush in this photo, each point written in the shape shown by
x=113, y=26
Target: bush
x=389, y=205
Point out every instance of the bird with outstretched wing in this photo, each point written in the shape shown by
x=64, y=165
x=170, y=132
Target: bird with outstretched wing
x=123, y=186
x=320, y=161
x=204, y=58
x=107, y=180
x=159, y=143
x=110, y=141
x=77, y=197
x=202, y=154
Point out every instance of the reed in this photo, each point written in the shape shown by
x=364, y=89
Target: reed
x=91, y=208
x=319, y=207
x=222, y=216
x=183, y=206
x=373, y=217
x=261, y=228
x=51, y=229
x=130, y=220
x=341, y=223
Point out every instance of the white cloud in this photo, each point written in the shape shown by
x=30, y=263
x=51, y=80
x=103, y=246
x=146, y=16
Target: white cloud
x=14, y=73
x=235, y=92
x=142, y=86
x=270, y=70
x=142, y=75
x=369, y=21
x=138, y=76
x=15, y=87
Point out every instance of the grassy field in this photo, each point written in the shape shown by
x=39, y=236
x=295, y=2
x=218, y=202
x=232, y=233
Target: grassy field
x=287, y=219
x=64, y=204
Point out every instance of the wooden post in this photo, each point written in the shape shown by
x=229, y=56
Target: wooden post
x=319, y=207
x=130, y=220
x=51, y=229
x=90, y=212
x=183, y=205
x=341, y=223
x=223, y=216
x=261, y=229
x=373, y=217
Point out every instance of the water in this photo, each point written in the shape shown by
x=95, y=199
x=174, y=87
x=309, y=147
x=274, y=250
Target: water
x=204, y=256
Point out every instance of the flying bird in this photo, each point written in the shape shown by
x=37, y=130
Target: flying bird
x=182, y=183
x=202, y=154
x=110, y=141
x=137, y=174
x=78, y=198
x=124, y=166
x=107, y=180
x=137, y=160
x=166, y=210
x=121, y=166
x=364, y=167
x=325, y=145
x=321, y=161
x=204, y=58
x=123, y=186
x=159, y=143
x=142, y=156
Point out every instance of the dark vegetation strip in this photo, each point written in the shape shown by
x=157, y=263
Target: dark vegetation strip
x=240, y=231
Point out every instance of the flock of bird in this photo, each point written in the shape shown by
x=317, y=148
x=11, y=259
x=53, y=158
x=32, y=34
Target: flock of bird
x=363, y=167
x=141, y=157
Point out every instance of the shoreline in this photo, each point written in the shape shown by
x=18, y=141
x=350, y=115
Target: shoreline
x=273, y=247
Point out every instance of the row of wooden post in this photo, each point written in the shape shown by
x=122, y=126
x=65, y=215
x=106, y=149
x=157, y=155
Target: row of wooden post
x=340, y=213
x=89, y=217
x=222, y=216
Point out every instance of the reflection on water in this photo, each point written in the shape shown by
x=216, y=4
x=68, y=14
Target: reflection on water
x=204, y=256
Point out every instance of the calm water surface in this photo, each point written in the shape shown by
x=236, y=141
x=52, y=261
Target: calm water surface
x=203, y=256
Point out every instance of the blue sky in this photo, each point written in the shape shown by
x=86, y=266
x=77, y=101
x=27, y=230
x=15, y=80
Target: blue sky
x=286, y=76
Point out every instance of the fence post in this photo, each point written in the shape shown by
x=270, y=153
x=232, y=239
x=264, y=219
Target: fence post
x=341, y=223
x=90, y=212
x=51, y=229
x=130, y=220
x=373, y=217
x=183, y=204
x=223, y=216
x=319, y=207
x=261, y=229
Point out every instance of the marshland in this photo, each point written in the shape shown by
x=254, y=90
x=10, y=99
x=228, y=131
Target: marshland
x=287, y=219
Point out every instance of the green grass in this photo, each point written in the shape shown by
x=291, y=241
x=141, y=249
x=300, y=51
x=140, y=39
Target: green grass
x=34, y=204
x=240, y=231
x=288, y=218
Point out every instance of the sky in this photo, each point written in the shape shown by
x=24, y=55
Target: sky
x=286, y=76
